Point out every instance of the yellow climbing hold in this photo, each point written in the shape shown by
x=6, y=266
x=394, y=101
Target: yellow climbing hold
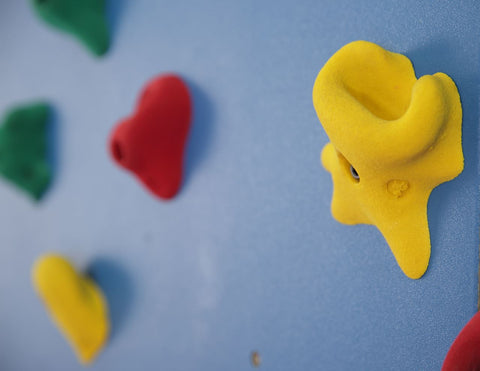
x=75, y=303
x=393, y=139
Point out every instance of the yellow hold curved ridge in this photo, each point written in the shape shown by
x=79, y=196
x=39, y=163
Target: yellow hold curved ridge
x=75, y=304
x=393, y=139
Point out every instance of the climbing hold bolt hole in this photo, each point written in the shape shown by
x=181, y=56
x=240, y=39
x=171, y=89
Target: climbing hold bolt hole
x=117, y=151
x=354, y=173
x=255, y=359
x=26, y=173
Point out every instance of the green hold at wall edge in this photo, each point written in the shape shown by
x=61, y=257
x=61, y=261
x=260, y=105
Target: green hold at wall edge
x=24, y=148
x=84, y=19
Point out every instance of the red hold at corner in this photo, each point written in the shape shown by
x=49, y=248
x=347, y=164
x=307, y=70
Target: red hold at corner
x=464, y=354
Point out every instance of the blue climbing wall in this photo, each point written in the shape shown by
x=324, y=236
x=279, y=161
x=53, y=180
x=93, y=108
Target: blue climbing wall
x=248, y=256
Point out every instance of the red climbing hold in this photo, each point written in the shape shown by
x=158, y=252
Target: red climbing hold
x=151, y=143
x=464, y=354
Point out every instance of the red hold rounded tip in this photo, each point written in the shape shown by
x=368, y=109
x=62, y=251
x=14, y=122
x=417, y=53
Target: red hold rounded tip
x=151, y=143
x=464, y=354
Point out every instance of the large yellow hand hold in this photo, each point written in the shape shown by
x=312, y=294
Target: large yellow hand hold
x=75, y=303
x=393, y=139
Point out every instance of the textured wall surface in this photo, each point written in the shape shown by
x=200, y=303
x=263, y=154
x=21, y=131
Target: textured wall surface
x=248, y=256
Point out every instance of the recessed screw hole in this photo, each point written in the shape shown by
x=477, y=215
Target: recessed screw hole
x=27, y=173
x=117, y=151
x=354, y=173
x=255, y=359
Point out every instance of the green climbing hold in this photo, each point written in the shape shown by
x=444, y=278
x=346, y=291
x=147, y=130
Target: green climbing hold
x=85, y=19
x=24, y=150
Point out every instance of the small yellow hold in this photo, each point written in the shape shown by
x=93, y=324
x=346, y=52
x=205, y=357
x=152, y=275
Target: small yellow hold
x=393, y=139
x=75, y=304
